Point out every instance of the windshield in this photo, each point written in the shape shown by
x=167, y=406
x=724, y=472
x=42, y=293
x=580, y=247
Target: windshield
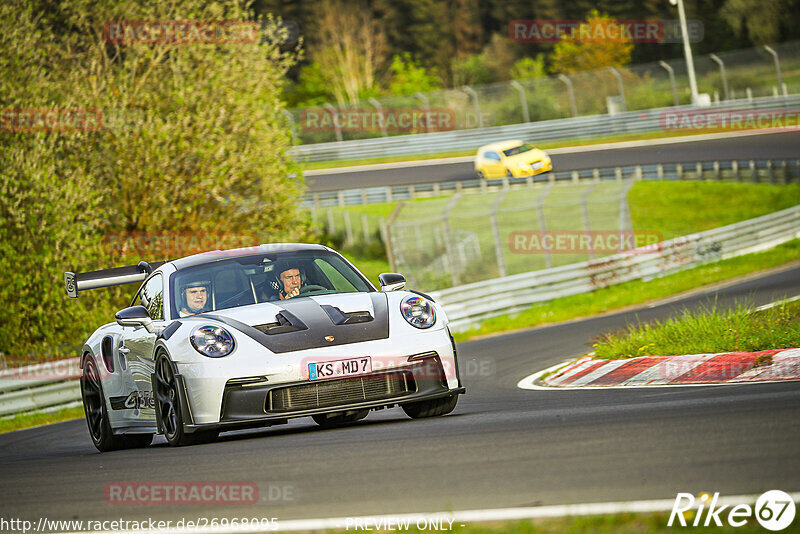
x=525, y=147
x=261, y=278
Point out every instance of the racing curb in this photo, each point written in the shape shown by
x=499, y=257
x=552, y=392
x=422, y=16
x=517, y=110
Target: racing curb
x=728, y=367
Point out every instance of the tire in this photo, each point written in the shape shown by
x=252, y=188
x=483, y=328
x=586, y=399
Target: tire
x=431, y=408
x=480, y=175
x=509, y=173
x=94, y=407
x=339, y=418
x=165, y=388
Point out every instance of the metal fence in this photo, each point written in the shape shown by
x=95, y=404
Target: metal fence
x=38, y=387
x=765, y=170
x=467, y=305
x=589, y=127
x=485, y=112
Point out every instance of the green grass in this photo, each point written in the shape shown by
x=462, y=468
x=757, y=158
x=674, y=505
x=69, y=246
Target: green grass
x=710, y=330
x=682, y=208
x=17, y=422
x=637, y=292
x=654, y=523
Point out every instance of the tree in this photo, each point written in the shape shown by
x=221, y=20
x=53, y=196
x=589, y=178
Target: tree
x=349, y=47
x=590, y=48
x=191, y=140
x=409, y=77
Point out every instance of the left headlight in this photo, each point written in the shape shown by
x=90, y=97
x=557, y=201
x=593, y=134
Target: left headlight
x=212, y=341
x=418, y=312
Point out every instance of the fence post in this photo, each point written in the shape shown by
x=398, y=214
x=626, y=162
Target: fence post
x=424, y=99
x=715, y=58
x=348, y=229
x=774, y=55
x=498, y=245
x=523, y=100
x=548, y=259
x=332, y=110
x=479, y=120
x=620, y=86
x=382, y=120
x=625, y=222
x=571, y=92
x=387, y=235
x=365, y=227
x=448, y=245
x=331, y=225
x=664, y=65
x=585, y=215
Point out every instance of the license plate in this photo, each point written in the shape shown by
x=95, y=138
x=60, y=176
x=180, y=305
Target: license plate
x=335, y=369
x=537, y=165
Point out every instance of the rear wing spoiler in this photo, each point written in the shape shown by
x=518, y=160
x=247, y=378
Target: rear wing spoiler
x=76, y=282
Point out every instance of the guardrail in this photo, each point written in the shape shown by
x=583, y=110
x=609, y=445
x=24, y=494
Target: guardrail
x=587, y=127
x=768, y=171
x=467, y=305
x=54, y=384
x=36, y=387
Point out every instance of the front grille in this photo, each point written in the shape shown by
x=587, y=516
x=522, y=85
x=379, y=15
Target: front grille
x=341, y=391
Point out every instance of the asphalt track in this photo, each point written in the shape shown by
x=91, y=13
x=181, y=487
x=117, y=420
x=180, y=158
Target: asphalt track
x=501, y=447
x=762, y=146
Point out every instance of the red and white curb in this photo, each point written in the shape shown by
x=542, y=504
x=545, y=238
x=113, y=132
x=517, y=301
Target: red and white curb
x=690, y=369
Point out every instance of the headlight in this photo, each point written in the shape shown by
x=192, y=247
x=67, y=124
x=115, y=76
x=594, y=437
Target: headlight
x=212, y=341
x=418, y=312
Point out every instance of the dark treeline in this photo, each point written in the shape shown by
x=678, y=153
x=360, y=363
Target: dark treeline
x=443, y=37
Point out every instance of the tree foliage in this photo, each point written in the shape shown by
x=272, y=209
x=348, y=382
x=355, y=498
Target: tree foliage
x=192, y=141
x=576, y=53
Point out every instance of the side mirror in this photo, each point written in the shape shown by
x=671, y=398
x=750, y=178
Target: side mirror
x=392, y=281
x=135, y=316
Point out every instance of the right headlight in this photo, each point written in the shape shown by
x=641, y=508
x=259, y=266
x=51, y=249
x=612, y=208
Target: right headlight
x=418, y=311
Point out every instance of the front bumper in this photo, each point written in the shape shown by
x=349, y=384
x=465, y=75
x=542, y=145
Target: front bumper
x=246, y=405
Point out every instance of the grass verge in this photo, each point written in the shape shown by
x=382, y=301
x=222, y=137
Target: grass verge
x=18, y=422
x=637, y=292
x=307, y=166
x=709, y=330
x=653, y=523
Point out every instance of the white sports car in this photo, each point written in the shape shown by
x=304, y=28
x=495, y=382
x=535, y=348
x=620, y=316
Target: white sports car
x=252, y=337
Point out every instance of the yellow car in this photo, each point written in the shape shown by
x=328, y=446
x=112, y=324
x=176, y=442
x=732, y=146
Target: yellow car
x=511, y=158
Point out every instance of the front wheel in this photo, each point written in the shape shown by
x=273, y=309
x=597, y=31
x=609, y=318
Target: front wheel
x=431, y=408
x=169, y=409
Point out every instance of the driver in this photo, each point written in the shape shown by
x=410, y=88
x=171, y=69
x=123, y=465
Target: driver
x=194, y=296
x=290, y=282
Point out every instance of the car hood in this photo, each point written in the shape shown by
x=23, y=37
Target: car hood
x=310, y=322
x=528, y=157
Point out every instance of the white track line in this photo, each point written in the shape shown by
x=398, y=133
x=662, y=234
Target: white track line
x=465, y=516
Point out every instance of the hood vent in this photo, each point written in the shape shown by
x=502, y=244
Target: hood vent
x=287, y=322
x=338, y=317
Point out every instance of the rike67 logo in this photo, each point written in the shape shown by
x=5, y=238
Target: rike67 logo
x=774, y=510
